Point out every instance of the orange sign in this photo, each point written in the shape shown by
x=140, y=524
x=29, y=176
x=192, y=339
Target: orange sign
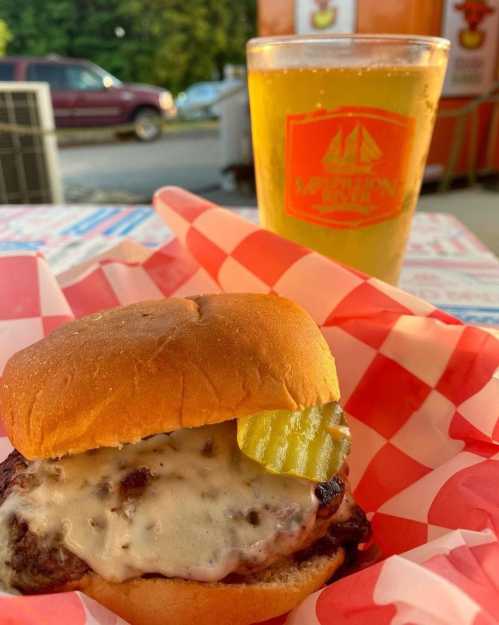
x=346, y=168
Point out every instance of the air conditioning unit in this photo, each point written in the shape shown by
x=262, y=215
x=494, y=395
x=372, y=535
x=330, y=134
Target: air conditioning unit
x=29, y=165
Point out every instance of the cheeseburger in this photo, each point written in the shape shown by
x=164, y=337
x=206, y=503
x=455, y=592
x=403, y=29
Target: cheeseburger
x=180, y=461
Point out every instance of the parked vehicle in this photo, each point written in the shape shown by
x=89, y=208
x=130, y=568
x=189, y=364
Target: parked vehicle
x=84, y=94
x=199, y=100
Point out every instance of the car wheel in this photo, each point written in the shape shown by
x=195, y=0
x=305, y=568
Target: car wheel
x=147, y=124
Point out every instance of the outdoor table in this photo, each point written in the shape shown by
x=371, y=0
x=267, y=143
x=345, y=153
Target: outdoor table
x=445, y=263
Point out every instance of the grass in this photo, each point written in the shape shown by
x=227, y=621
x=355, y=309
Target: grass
x=106, y=134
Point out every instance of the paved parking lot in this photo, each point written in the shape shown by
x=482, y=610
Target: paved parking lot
x=190, y=159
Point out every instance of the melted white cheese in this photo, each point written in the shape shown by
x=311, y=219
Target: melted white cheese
x=5, y=571
x=206, y=510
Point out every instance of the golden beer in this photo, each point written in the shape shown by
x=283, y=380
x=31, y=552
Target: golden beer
x=340, y=151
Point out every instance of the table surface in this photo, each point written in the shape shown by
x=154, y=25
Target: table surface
x=445, y=263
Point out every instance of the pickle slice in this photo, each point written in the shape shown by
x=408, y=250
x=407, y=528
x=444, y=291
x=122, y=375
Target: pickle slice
x=311, y=443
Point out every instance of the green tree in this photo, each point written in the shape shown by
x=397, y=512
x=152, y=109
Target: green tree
x=5, y=37
x=167, y=42
x=38, y=27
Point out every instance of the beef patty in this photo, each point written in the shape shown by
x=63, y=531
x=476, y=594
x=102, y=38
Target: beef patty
x=41, y=563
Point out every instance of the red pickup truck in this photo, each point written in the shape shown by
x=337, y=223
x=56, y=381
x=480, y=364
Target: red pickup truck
x=84, y=94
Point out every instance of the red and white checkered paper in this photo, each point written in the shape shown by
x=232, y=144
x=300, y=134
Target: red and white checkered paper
x=421, y=392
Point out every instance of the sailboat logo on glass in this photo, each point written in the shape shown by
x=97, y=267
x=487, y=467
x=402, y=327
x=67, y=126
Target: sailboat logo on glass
x=347, y=168
x=355, y=155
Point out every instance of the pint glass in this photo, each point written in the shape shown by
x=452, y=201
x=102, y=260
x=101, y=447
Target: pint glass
x=341, y=129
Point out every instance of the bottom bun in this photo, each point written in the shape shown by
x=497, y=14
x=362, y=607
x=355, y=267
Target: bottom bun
x=160, y=601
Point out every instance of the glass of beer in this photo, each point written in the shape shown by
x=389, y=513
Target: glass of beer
x=341, y=128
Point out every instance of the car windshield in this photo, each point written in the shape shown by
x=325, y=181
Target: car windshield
x=108, y=80
x=203, y=90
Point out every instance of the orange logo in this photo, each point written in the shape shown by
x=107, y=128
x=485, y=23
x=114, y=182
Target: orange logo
x=346, y=168
x=475, y=11
x=355, y=155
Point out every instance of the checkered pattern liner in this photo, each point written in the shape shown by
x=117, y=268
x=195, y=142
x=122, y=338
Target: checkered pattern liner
x=420, y=389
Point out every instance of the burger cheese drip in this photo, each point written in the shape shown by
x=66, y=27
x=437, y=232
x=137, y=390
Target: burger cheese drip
x=188, y=504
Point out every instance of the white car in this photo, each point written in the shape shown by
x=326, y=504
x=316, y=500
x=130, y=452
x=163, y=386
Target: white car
x=199, y=100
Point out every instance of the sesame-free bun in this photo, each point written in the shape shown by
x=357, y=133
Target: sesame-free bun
x=159, y=601
x=117, y=376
